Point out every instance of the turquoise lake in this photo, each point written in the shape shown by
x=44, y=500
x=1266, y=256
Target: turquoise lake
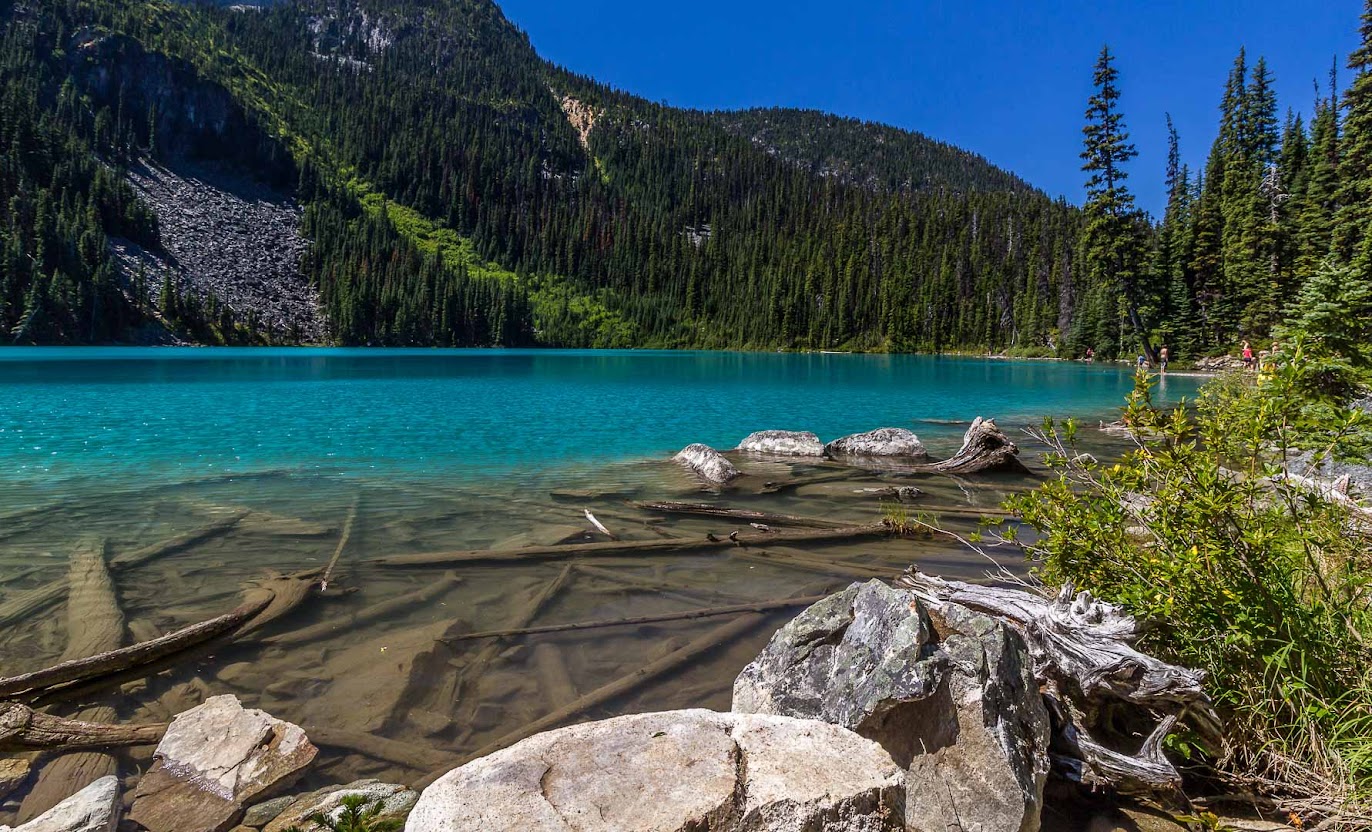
x=196, y=475
x=74, y=414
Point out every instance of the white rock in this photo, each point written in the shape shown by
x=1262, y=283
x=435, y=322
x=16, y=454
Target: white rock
x=709, y=464
x=93, y=809
x=879, y=442
x=395, y=801
x=215, y=759
x=670, y=772
x=783, y=443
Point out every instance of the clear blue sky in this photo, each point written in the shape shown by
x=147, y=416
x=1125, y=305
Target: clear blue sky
x=1005, y=78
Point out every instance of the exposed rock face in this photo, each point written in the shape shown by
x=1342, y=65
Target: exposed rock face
x=880, y=442
x=709, y=464
x=215, y=759
x=395, y=802
x=228, y=236
x=1359, y=475
x=93, y=809
x=783, y=443
x=678, y=770
x=956, y=705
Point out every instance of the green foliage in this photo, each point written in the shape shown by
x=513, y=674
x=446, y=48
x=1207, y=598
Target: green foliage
x=355, y=816
x=1236, y=570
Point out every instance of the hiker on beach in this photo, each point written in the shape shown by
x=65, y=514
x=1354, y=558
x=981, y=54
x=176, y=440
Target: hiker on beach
x=1142, y=361
x=1247, y=355
x=1090, y=355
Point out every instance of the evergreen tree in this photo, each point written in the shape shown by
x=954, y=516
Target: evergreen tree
x=1112, y=239
x=1355, y=152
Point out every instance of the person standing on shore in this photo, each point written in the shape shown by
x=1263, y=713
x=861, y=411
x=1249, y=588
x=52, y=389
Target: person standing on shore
x=1247, y=355
x=1090, y=355
x=1162, y=359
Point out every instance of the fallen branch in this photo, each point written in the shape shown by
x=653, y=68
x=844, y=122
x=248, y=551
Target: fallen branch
x=521, y=619
x=746, y=515
x=114, y=661
x=714, y=638
x=574, y=550
x=24, y=729
x=791, y=560
x=342, y=543
x=416, y=758
x=667, y=589
x=710, y=612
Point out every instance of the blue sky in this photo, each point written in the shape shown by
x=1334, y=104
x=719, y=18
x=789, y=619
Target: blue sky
x=1003, y=78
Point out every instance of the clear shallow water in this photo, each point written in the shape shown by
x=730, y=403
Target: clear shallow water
x=109, y=452
x=113, y=413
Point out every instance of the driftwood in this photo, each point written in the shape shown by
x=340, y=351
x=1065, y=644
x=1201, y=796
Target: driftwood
x=722, y=634
x=663, y=588
x=36, y=600
x=709, y=612
x=746, y=515
x=573, y=550
x=984, y=448
x=24, y=729
x=144, y=653
x=553, y=679
x=600, y=527
x=1095, y=682
x=801, y=561
x=342, y=543
x=406, y=601
x=777, y=487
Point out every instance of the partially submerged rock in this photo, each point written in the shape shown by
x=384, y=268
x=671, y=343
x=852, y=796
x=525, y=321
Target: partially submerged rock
x=709, y=464
x=880, y=442
x=957, y=705
x=782, y=443
x=93, y=809
x=395, y=802
x=214, y=760
x=678, y=770
x=13, y=773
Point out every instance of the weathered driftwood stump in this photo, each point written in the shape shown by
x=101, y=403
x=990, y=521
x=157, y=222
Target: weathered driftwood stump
x=1101, y=692
x=24, y=729
x=985, y=447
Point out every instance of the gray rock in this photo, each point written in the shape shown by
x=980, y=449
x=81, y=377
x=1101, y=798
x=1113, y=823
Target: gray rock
x=709, y=464
x=880, y=442
x=679, y=770
x=782, y=443
x=957, y=706
x=1359, y=474
x=215, y=759
x=93, y=809
x=264, y=813
x=395, y=802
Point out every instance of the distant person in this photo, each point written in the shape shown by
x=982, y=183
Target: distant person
x=1090, y=355
x=1142, y=361
x=1162, y=359
x=1247, y=355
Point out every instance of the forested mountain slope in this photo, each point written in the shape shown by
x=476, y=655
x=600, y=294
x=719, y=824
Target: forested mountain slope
x=457, y=189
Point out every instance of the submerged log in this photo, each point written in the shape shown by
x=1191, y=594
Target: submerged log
x=573, y=550
x=746, y=515
x=683, y=615
x=403, y=602
x=1095, y=680
x=413, y=757
x=342, y=543
x=720, y=635
x=144, y=653
x=24, y=729
x=36, y=600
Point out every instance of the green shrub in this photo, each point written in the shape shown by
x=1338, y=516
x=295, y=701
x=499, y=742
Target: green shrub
x=1236, y=570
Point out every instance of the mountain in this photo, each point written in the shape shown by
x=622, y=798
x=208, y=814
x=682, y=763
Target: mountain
x=867, y=153
x=414, y=173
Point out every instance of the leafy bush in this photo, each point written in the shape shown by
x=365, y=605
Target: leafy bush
x=1249, y=575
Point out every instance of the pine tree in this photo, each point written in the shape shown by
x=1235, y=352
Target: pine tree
x=1355, y=152
x=1111, y=240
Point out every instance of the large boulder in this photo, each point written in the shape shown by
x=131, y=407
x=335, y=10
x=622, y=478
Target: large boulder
x=955, y=703
x=881, y=442
x=708, y=464
x=673, y=772
x=93, y=809
x=214, y=760
x=782, y=443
